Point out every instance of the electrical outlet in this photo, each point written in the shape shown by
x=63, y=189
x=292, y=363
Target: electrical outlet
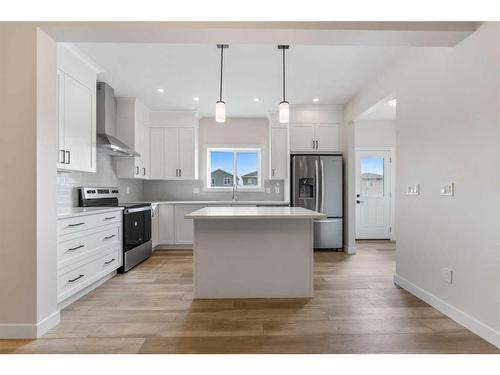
x=413, y=189
x=447, y=275
x=196, y=190
x=276, y=190
x=447, y=189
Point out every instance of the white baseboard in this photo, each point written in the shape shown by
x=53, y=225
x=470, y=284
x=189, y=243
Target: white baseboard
x=29, y=331
x=479, y=328
x=350, y=249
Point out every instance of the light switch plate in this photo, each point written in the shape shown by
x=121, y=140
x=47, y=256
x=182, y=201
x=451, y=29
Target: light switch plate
x=447, y=189
x=447, y=275
x=413, y=189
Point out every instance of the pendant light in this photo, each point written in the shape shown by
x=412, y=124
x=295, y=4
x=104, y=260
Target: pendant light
x=220, y=106
x=284, y=105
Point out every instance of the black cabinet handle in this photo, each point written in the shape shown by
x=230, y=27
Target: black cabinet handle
x=76, y=248
x=143, y=171
x=76, y=278
x=109, y=237
x=68, y=161
x=137, y=170
x=75, y=225
x=63, y=154
x=109, y=261
x=110, y=218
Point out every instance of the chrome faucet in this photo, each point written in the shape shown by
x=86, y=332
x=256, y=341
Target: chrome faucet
x=235, y=192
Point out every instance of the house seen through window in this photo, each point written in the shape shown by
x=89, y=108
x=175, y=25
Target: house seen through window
x=234, y=166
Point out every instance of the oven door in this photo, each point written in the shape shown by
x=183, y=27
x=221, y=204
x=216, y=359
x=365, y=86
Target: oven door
x=136, y=227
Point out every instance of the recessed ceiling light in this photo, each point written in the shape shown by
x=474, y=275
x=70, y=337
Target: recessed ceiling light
x=160, y=90
x=316, y=100
x=196, y=99
x=256, y=100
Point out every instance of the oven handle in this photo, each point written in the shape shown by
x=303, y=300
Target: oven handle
x=138, y=209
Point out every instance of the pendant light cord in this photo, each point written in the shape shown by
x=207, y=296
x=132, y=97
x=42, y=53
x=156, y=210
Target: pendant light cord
x=283, y=74
x=221, y=64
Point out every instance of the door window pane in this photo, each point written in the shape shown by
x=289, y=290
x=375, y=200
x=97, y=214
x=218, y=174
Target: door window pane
x=247, y=169
x=221, y=168
x=372, y=176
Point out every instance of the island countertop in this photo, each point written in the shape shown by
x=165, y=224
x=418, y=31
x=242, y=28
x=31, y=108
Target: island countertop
x=254, y=213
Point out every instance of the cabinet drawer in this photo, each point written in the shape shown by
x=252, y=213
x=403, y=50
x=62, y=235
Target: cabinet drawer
x=84, y=244
x=79, y=223
x=85, y=274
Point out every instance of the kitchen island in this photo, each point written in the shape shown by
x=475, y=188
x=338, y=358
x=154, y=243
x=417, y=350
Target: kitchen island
x=253, y=252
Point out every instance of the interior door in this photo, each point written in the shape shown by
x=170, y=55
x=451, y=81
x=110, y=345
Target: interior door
x=171, y=152
x=373, y=194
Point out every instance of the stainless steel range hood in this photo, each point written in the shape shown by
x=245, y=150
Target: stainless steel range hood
x=106, y=124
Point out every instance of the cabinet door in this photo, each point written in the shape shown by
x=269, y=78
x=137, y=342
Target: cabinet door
x=78, y=126
x=166, y=224
x=184, y=227
x=171, y=152
x=327, y=137
x=186, y=152
x=301, y=137
x=157, y=153
x=155, y=223
x=60, y=121
x=145, y=154
x=278, y=153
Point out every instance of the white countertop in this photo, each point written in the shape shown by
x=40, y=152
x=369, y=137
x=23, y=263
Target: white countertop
x=221, y=203
x=65, y=213
x=254, y=213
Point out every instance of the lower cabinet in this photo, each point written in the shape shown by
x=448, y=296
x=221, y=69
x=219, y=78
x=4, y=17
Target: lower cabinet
x=173, y=228
x=155, y=223
x=89, y=248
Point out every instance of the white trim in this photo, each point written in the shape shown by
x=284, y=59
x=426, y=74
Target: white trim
x=351, y=250
x=479, y=328
x=29, y=331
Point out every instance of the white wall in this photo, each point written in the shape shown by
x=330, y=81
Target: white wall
x=375, y=133
x=27, y=181
x=448, y=130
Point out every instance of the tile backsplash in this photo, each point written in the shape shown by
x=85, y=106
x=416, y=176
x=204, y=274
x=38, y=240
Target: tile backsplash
x=69, y=182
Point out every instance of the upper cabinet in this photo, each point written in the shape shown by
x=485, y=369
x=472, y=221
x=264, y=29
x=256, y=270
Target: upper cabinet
x=76, y=112
x=132, y=128
x=279, y=154
x=173, y=145
x=173, y=153
x=315, y=137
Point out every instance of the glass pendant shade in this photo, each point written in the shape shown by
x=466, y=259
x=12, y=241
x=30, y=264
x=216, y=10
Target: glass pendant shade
x=220, y=111
x=284, y=112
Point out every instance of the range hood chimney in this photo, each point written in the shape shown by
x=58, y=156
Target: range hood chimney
x=106, y=123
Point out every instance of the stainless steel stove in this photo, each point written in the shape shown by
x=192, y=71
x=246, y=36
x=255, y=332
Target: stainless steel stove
x=137, y=244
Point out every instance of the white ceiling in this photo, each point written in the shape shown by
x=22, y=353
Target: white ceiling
x=331, y=73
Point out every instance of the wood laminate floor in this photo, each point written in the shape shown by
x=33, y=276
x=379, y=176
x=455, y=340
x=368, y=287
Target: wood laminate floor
x=356, y=309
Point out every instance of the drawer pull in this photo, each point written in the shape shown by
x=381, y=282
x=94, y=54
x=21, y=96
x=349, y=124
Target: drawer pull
x=76, y=278
x=76, y=248
x=75, y=225
x=110, y=218
x=109, y=237
x=109, y=261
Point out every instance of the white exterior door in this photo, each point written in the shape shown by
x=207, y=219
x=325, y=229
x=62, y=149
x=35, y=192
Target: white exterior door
x=373, y=194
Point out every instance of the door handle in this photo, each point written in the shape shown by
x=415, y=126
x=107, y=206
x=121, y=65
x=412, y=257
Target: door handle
x=137, y=170
x=76, y=248
x=273, y=173
x=358, y=201
x=317, y=184
x=180, y=172
x=109, y=261
x=143, y=171
x=76, y=278
x=68, y=153
x=63, y=153
x=75, y=225
x=322, y=186
x=109, y=237
x=110, y=218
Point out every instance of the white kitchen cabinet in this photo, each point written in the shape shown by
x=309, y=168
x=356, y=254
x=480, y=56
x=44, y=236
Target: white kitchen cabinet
x=172, y=153
x=133, y=129
x=314, y=137
x=166, y=224
x=155, y=223
x=184, y=227
x=279, y=154
x=76, y=113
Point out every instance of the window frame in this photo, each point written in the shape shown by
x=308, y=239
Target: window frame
x=234, y=150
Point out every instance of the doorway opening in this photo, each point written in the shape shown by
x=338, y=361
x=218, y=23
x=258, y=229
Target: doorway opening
x=375, y=146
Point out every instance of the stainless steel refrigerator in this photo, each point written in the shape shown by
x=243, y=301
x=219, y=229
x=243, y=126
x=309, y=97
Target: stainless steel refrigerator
x=317, y=185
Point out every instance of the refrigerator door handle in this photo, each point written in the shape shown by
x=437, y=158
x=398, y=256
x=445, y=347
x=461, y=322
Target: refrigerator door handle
x=317, y=184
x=322, y=186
